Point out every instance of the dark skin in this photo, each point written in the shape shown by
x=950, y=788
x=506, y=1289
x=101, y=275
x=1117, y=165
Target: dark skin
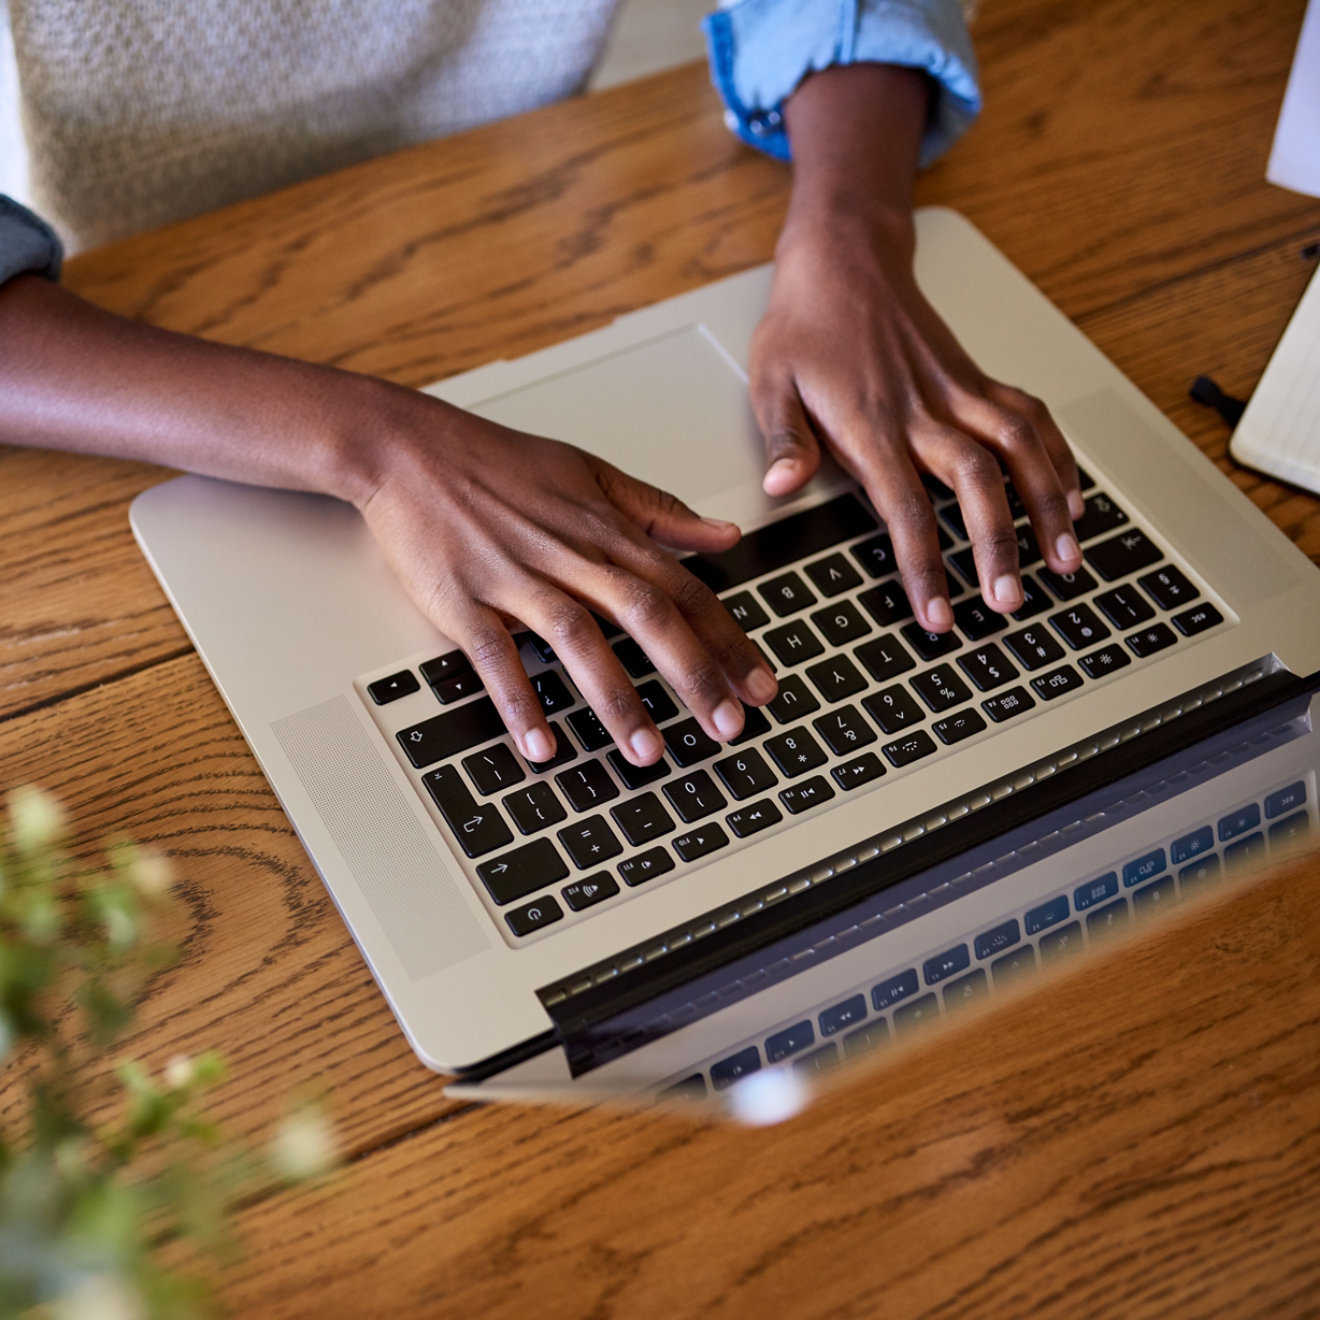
x=491, y=529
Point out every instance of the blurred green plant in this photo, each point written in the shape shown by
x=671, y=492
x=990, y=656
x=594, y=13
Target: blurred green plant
x=85, y=1198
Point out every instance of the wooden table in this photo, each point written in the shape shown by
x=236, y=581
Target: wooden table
x=1140, y=1138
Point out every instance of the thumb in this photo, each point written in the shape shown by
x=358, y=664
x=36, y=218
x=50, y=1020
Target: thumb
x=663, y=515
x=792, y=453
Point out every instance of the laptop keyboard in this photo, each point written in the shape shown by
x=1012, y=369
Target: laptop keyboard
x=1270, y=828
x=865, y=692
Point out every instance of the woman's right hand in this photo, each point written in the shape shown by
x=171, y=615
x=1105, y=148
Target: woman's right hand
x=491, y=530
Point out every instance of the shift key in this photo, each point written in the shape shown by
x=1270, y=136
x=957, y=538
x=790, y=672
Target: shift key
x=455, y=731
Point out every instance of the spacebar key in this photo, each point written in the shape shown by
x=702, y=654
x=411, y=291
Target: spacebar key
x=455, y=731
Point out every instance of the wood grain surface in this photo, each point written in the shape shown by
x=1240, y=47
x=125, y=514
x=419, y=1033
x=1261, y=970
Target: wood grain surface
x=1141, y=1138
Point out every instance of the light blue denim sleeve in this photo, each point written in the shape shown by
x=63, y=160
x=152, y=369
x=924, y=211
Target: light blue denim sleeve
x=27, y=243
x=761, y=49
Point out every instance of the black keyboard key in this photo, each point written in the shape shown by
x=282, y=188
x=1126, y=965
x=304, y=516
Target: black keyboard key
x=635, y=661
x=1125, y=607
x=591, y=733
x=1057, y=682
x=449, y=690
x=1034, y=646
x=445, y=666
x=494, y=770
x=1013, y=966
x=870, y=1037
x=1168, y=587
x=645, y=866
x=1079, y=626
x=1123, y=554
x=794, y=642
x=1108, y=920
x=909, y=749
x=1285, y=799
x=746, y=610
x=912, y=1016
x=809, y=793
x=1102, y=515
x=746, y=774
x=929, y=645
x=1085, y=478
x=961, y=724
x=965, y=562
x=778, y=544
x=590, y=891
x=1107, y=660
x=754, y=725
x=789, y=1041
x=590, y=842
x=637, y=776
x=587, y=786
x=895, y=990
x=1197, y=619
x=977, y=620
x=695, y=796
x=1067, y=586
x=727, y=1071
x=787, y=594
x=841, y=623
x=940, y=688
x=688, y=743
x=552, y=692
x=1290, y=835
x=887, y=604
x=966, y=989
x=1028, y=547
x=538, y=646
x=839, y=1017
x=478, y=827
x=535, y=807
x=1149, y=640
x=833, y=575
x=443, y=736
x=893, y=709
x=884, y=658
x=953, y=517
x=658, y=703
x=701, y=842
x=817, y=1061
x=1061, y=943
x=564, y=753
x=385, y=690
x=876, y=556
x=861, y=770
x=795, y=700
x=754, y=818
x=609, y=631
x=836, y=679
x=1202, y=874
x=535, y=916
x=642, y=819
x=1034, y=600
x=795, y=752
x=844, y=730
x=1008, y=704
x=1150, y=899
x=523, y=871
x=997, y=938
x=987, y=667
x=1245, y=855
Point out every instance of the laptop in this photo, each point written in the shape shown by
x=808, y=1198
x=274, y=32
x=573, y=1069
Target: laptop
x=533, y=923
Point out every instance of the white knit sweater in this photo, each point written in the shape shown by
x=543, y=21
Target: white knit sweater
x=138, y=112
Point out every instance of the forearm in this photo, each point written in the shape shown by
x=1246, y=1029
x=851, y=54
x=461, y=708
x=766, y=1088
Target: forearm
x=76, y=378
x=856, y=135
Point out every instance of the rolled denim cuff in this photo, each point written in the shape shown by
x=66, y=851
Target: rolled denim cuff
x=27, y=243
x=760, y=50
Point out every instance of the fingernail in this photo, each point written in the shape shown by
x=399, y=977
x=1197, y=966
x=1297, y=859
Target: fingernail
x=1076, y=504
x=1066, y=547
x=720, y=524
x=1006, y=589
x=645, y=744
x=939, y=612
x=761, y=686
x=539, y=746
x=728, y=719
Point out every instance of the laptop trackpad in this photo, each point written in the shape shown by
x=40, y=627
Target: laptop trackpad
x=672, y=411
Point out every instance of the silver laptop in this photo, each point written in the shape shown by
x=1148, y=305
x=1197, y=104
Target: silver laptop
x=515, y=915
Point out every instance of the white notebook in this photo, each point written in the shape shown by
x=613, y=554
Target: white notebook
x=1279, y=433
